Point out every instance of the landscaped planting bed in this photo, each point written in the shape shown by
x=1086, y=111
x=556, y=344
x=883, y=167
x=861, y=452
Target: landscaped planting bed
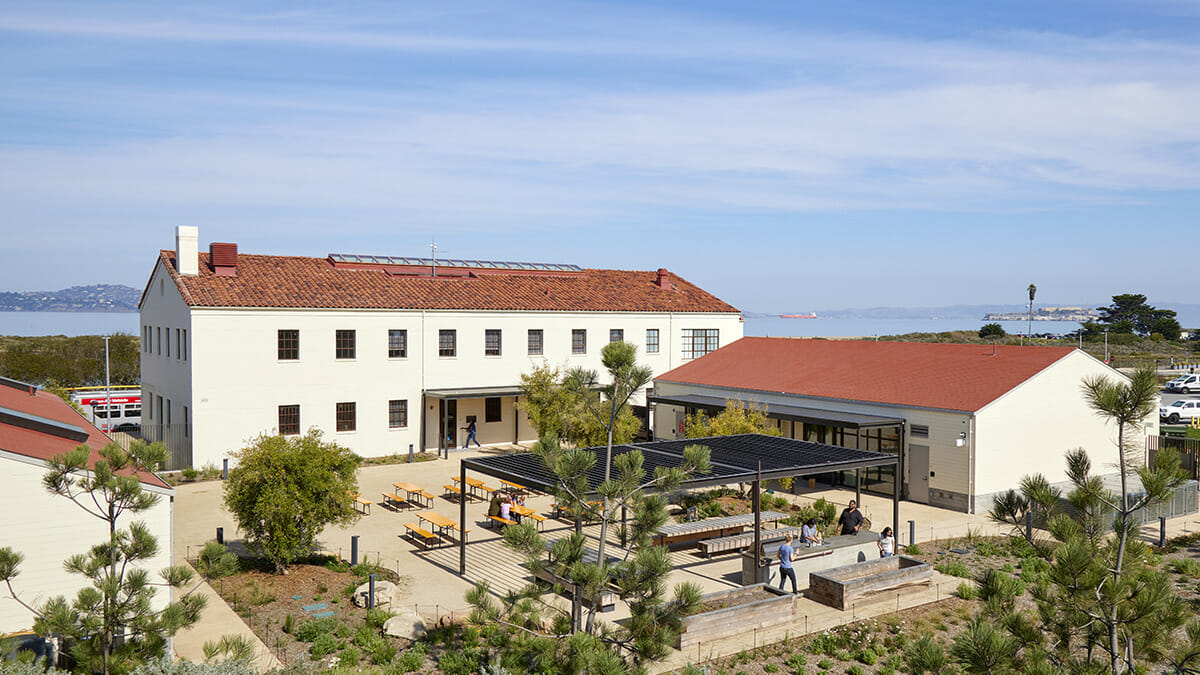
x=736, y=611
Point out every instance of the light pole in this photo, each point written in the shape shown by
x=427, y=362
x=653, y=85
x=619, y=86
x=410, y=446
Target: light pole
x=107, y=390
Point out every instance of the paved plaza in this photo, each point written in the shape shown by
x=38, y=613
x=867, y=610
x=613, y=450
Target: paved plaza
x=430, y=582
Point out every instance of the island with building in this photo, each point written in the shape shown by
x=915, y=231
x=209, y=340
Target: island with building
x=1080, y=314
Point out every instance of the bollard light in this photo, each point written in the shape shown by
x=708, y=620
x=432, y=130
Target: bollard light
x=354, y=550
x=220, y=535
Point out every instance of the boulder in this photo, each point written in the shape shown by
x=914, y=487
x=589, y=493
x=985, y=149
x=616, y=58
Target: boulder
x=408, y=624
x=384, y=591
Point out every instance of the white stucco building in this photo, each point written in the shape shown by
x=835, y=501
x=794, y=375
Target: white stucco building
x=968, y=420
x=381, y=352
x=47, y=528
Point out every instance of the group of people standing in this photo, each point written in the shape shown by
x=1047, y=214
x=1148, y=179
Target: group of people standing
x=849, y=523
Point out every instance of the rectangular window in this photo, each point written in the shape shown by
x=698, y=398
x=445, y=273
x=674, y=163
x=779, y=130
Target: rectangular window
x=158, y=340
x=699, y=341
x=184, y=343
x=187, y=424
x=397, y=344
x=289, y=344
x=651, y=340
x=579, y=341
x=491, y=410
x=535, y=341
x=447, y=342
x=344, y=344
x=346, y=417
x=616, y=334
x=168, y=354
x=491, y=342
x=289, y=420
x=918, y=431
x=397, y=414
x=178, y=342
x=145, y=342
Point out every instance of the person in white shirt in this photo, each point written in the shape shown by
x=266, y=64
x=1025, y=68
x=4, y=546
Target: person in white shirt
x=809, y=533
x=887, y=543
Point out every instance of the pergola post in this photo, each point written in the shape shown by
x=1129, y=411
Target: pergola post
x=896, y=502
x=858, y=487
x=756, y=501
x=462, y=518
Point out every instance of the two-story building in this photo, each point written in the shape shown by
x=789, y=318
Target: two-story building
x=383, y=353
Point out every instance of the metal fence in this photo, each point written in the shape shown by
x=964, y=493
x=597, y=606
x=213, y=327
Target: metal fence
x=177, y=438
x=1188, y=449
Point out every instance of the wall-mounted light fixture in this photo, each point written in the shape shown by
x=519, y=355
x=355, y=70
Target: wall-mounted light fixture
x=961, y=440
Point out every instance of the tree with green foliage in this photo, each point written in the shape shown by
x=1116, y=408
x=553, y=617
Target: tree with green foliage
x=738, y=417
x=110, y=626
x=286, y=489
x=76, y=361
x=1129, y=313
x=557, y=404
x=1099, y=592
x=992, y=331
x=639, y=579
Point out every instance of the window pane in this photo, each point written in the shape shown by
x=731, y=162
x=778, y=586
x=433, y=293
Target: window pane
x=447, y=342
x=289, y=344
x=491, y=409
x=344, y=344
x=616, y=335
x=289, y=419
x=535, y=341
x=579, y=341
x=397, y=414
x=345, y=417
x=651, y=340
x=397, y=344
x=699, y=341
x=491, y=342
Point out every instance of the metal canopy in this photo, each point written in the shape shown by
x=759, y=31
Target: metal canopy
x=735, y=459
x=475, y=392
x=788, y=412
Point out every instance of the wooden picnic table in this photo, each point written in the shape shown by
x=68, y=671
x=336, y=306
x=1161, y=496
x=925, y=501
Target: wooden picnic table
x=526, y=512
x=514, y=486
x=474, y=484
x=724, y=526
x=440, y=522
x=415, y=493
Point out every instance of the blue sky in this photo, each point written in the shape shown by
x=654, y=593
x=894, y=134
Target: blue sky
x=783, y=155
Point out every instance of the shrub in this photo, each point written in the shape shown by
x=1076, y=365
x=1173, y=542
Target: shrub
x=323, y=644
x=867, y=656
x=771, y=667
x=966, y=591
x=824, y=664
x=458, y=663
x=954, y=568
x=856, y=670
x=913, y=549
x=289, y=624
x=377, y=617
x=349, y=657
x=310, y=629
x=925, y=654
x=826, y=511
x=1188, y=567
x=209, y=471
x=189, y=474
x=797, y=662
x=411, y=660
x=383, y=653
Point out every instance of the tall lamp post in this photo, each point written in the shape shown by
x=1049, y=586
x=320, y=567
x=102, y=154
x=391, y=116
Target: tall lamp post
x=1029, y=330
x=107, y=391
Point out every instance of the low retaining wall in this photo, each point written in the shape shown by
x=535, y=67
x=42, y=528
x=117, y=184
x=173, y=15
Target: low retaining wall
x=841, y=587
x=738, y=618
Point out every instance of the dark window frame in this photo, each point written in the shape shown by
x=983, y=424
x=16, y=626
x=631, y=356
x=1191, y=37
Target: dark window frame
x=397, y=343
x=616, y=334
x=578, y=340
x=287, y=344
x=345, y=344
x=700, y=341
x=493, y=409
x=398, y=413
x=492, y=341
x=535, y=347
x=447, y=343
x=652, y=341
x=289, y=419
x=346, y=416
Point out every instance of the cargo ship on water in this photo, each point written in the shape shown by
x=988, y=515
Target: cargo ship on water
x=810, y=315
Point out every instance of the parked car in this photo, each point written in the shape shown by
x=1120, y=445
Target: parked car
x=1182, y=410
x=1184, y=384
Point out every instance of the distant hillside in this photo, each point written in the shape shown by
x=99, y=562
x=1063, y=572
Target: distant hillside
x=98, y=298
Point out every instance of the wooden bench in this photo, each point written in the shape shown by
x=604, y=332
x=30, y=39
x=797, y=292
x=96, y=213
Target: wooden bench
x=452, y=490
x=392, y=499
x=363, y=503
x=738, y=542
x=537, y=517
x=420, y=535
x=502, y=521
x=428, y=498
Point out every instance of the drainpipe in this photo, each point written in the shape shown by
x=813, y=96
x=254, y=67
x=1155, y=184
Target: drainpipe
x=971, y=464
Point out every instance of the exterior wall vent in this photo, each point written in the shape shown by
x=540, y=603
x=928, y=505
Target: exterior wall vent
x=664, y=279
x=224, y=259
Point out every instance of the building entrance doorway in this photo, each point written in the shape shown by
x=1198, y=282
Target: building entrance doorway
x=918, y=473
x=448, y=424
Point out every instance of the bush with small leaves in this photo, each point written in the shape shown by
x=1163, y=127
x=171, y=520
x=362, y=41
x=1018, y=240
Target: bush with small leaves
x=913, y=549
x=1188, y=567
x=377, y=617
x=323, y=644
x=867, y=656
x=411, y=660
x=855, y=670
x=310, y=629
x=771, y=667
x=824, y=664
x=797, y=662
x=966, y=591
x=458, y=663
x=349, y=657
x=954, y=568
x=167, y=666
x=383, y=653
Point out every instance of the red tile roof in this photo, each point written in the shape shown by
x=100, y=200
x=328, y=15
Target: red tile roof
x=923, y=375
x=294, y=281
x=44, y=445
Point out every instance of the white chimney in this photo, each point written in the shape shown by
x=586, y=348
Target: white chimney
x=187, y=249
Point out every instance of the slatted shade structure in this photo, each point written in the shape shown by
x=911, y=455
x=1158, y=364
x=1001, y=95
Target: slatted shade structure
x=744, y=458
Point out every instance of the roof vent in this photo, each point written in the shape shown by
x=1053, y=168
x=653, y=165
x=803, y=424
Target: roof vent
x=224, y=259
x=664, y=279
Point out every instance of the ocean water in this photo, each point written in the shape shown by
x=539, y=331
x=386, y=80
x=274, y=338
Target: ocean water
x=68, y=323
x=776, y=327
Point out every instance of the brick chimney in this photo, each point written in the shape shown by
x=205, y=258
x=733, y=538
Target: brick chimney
x=664, y=279
x=187, y=250
x=224, y=259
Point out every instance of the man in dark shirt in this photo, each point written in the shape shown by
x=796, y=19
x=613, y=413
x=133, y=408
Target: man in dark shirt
x=851, y=519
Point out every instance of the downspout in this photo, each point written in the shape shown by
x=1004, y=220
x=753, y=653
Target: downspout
x=971, y=464
x=423, y=440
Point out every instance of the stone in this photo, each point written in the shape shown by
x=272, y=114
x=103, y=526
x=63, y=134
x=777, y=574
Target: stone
x=384, y=592
x=407, y=624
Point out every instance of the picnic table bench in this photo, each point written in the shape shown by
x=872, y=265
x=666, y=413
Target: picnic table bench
x=361, y=504
x=473, y=485
x=682, y=533
x=452, y=490
x=421, y=535
x=737, y=542
x=440, y=522
x=415, y=494
x=501, y=520
x=392, y=499
x=525, y=512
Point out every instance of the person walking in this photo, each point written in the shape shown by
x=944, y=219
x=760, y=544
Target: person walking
x=851, y=519
x=786, y=553
x=470, y=428
x=887, y=543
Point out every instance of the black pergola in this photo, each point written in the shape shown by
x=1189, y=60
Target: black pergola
x=745, y=458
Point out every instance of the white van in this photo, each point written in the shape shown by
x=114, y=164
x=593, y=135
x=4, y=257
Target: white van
x=1185, y=384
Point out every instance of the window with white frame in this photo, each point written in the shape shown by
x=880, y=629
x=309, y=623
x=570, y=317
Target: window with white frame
x=491, y=342
x=616, y=334
x=535, y=342
x=397, y=344
x=579, y=341
x=651, y=340
x=699, y=341
x=447, y=342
